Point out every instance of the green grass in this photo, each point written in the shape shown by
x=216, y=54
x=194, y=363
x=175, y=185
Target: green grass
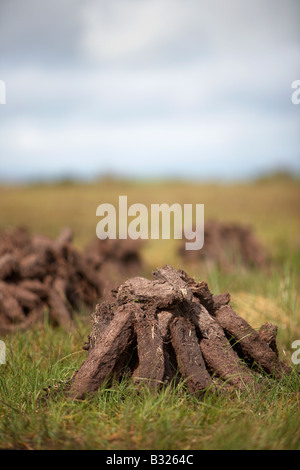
x=34, y=411
x=36, y=414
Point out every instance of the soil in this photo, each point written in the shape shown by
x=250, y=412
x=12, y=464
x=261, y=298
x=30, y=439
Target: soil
x=115, y=260
x=38, y=274
x=173, y=326
x=227, y=246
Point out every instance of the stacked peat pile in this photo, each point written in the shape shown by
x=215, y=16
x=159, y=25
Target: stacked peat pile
x=155, y=328
x=38, y=274
x=227, y=246
x=115, y=260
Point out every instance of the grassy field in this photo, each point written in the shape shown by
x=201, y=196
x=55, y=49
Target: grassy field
x=35, y=414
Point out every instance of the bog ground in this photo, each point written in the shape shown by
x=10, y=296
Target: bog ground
x=35, y=414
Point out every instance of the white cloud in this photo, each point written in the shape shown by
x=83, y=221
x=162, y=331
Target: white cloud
x=122, y=28
x=222, y=145
x=126, y=94
x=160, y=84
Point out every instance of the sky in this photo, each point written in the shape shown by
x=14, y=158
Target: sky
x=148, y=88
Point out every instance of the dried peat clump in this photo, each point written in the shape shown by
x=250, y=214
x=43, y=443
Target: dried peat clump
x=226, y=246
x=115, y=260
x=38, y=274
x=153, y=329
